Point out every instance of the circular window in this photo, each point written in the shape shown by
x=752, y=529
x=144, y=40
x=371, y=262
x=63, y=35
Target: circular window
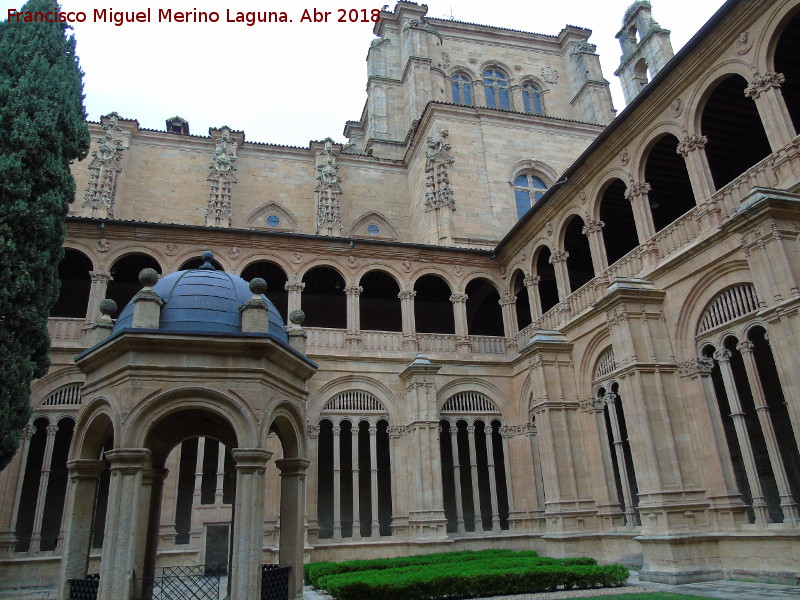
x=273, y=221
x=373, y=229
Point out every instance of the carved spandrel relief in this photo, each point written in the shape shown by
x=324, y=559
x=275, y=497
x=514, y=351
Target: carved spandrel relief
x=106, y=165
x=437, y=179
x=219, y=212
x=327, y=192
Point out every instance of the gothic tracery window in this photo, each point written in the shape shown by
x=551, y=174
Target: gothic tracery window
x=528, y=189
x=462, y=89
x=495, y=84
x=532, y=99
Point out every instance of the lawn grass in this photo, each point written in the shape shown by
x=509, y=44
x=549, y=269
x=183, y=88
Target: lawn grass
x=649, y=596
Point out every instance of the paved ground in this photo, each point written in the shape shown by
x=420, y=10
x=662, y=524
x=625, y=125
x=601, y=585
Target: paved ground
x=725, y=590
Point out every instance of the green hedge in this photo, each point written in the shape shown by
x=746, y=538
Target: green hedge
x=313, y=571
x=455, y=575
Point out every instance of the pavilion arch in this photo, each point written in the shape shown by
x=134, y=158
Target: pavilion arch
x=257, y=219
x=433, y=307
x=89, y=251
x=384, y=394
x=40, y=388
x=224, y=412
x=517, y=289
x=322, y=262
x=386, y=231
x=702, y=291
x=286, y=422
x=446, y=276
x=547, y=288
x=276, y=276
x=490, y=277
x=483, y=310
x=74, y=274
x=765, y=44
x=96, y=424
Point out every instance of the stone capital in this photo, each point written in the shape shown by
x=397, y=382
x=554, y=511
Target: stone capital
x=592, y=226
x=295, y=286
x=507, y=299
x=636, y=189
x=250, y=460
x=558, y=256
x=703, y=366
x=761, y=83
x=353, y=290
x=100, y=276
x=691, y=143
x=531, y=280
x=745, y=347
x=458, y=298
x=407, y=294
x=723, y=355
x=85, y=468
x=128, y=460
x=292, y=467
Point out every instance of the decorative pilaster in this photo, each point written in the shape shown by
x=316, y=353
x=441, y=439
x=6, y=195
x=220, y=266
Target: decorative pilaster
x=438, y=195
x=407, y=315
x=106, y=165
x=327, y=192
x=97, y=292
x=219, y=212
x=293, y=495
x=312, y=477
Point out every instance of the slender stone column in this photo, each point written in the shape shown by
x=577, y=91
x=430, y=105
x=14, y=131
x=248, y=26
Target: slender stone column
x=353, y=336
x=636, y=193
x=692, y=149
x=487, y=430
x=337, y=483
x=537, y=469
x=508, y=304
x=124, y=523
x=601, y=464
x=294, y=301
x=356, y=533
x=375, y=530
x=765, y=90
x=44, y=480
x=312, y=476
x=218, y=491
x=25, y=438
x=617, y=441
x=532, y=283
x=788, y=505
x=457, y=476
x=507, y=465
x=407, y=314
x=198, y=471
x=593, y=230
x=476, y=495
x=559, y=261
x=97, y=292
x=723, y=357
x=248, y=523
x=463, y=344
x=147, y=549
x=78, y=516
x=293, y=493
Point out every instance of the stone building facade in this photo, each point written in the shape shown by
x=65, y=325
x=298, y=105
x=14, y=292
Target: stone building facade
x=536, y=325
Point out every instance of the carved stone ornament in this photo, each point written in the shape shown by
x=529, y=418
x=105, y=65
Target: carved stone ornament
x=27, y=432
x=592, y=404
x=312, y=430
x=407, y=294
x=171, y=249
x=327, y=192
x=558, y=256
x=352, y=262
x=420, y=24
x=691, y=143
x=406, y=266
x=103, y=245
x=761, y=83
x=549, y=228
x=744, y=42
x=584, y=46
x=473, y=61
x=515, y=430
x=296, y=258
x=636, y=189
x=507, y=299
x=234, y=252
x=549, y=74
x=698, y=365
x=221, y=177
x=458, y=298
x=106, y=165
x=676, y=107
x=437, y=178
x=446, y=59
x=458, y=270
x=592, y=226
x=582, y=197
x=531, y=280
x=624, y=157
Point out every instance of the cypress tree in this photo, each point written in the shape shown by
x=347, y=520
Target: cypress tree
x=42, y=129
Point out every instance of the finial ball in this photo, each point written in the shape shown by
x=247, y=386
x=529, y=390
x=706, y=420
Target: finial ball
x=108, y=307
x=258, y=285
x=297, y=317
x=148, y=277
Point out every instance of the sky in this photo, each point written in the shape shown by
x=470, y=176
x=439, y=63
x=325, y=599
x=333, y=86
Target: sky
x=290, y=83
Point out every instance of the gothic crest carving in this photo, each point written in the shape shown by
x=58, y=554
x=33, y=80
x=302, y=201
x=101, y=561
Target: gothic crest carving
x=437, y=179
x=329, y=219
x=549, y=74
x=585, y=46
x=171, y=249
x=103, y=245
x=106, y=165
x=221, y=179
x=744, y=42
x=676, y=107
x=406, y=266
x=624, y=157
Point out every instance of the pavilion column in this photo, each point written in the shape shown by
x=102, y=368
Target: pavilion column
x=337, y=483
x=407, y=314
x=463, y=344
x=532, y=283
x=487, y=430
x=723, y=357
x=312, y=477
x=356, y=532
x=593, y=230
x=508, y=305
x=375, y=530
x=788, y=505
x=457, y=477
x=294, y=300
x=293, y=493
x=78, y=516
x=559, y=261
x=248, y=523
x=218, y=491
x=44, y=480
x=476, y=495
x=25, y=439
x=765, y=90
x=353, y=317
x=147, y=549
x=97, y=293
x=198, y=471
x=125, y=523
x=617, y=441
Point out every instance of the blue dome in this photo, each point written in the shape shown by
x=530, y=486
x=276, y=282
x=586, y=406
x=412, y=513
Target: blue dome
x=204, y=301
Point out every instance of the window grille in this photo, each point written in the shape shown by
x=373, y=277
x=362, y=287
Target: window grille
x=469, y=402
x=64, y=396
x=729, y=305
x=354, y=401
x=605, y=364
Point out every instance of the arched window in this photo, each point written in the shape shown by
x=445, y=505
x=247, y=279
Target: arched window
x=496, y=86
x=462, y=89
x=528, y=189
x=532, y=99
